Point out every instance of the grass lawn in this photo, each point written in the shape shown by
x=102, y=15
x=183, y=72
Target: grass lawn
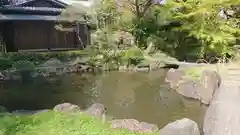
x=54, y=123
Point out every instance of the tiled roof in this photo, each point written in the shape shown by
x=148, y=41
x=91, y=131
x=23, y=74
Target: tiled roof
x=36, y=8
x=20, y=11
x=30, y=10
x=19, y=5
x=24, y=2
x=28, y=17
x=86, y=3
x=64, y=2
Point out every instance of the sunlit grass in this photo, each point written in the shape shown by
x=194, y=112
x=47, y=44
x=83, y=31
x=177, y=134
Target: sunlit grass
x=220, y=67
x=54, y=123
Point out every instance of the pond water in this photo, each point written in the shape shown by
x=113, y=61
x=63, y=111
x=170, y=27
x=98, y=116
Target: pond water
x=143, y=96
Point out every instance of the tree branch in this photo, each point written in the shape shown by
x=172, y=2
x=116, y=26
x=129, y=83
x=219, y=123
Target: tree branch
x=138, y=13
x=146, y=7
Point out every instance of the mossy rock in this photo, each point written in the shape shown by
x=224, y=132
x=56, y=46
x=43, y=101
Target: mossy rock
x=196, y=83
x=194, y=73
x=66, y=108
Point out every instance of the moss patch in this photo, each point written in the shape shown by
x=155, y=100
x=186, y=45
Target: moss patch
x=54, y=123
x=194, y=73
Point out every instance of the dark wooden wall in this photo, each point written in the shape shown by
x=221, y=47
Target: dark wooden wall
x=7, y=30
x=41, y=35
x=34, y=35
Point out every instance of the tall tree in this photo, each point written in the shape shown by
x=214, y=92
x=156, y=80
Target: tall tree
x=203, y=20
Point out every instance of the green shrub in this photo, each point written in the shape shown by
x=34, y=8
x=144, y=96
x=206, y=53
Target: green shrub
x=24, y=65
x=5, y=63
x=23, y=56
x=133, y=55
x=3, y=109
x=39, y=57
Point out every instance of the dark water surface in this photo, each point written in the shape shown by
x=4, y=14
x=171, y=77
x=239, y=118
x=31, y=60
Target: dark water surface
x=143, y=96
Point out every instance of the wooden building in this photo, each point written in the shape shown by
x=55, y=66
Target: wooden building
x=31, y=26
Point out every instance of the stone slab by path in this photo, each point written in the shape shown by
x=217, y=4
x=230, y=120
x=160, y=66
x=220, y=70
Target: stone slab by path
x=223, y=115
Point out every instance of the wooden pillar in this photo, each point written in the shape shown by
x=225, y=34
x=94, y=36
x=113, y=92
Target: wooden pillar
x=8, y=35
x=86, y=33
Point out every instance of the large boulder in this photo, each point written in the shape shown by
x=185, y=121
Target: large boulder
x=134, y=125
x=97, y=110
x=148, y=128
x=52, y=63
x=52, y=66
x=223, y=115
x=67, y=108
x=201, y=87
x=181, y=127
x=80, y=64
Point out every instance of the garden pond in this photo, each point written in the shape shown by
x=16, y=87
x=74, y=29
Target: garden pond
x=140, y=95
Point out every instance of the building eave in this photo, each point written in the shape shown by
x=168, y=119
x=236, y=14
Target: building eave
x=31, y=10
x=57, y=2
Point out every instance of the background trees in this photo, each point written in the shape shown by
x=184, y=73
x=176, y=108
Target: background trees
x=186, y=29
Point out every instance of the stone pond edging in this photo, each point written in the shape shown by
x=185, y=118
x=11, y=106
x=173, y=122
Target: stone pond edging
x=201, y=87
x=54, y=67
x=181, y=127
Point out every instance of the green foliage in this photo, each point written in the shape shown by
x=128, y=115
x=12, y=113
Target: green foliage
x=5, y=63
x=201, y=20
x=115, y=58
x=150, y=25
x=182, y=29
x=194, y=73
x=28, y=61
x=24, y=65
x=203, y=34
x=133, y=55
x=134, y=52
x=107, y=14
x=3, y=109
x=34, y=57
x=54, y=123
x=8, y=59
x=102, y=39
x=113, y=47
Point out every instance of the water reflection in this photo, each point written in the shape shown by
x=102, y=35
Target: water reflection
x=143, y=96
x=147, y=98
